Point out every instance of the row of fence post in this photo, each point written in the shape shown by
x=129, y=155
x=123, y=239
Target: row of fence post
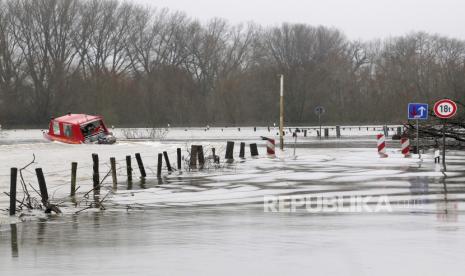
x=197, y=154
x=304, y=129
x=95, y=176
x=42, y=190
x=129, y=169
x=230, y=150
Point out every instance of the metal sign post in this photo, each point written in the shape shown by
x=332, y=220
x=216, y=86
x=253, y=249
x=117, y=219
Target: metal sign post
x=444, y=109
x=295, y=141
x=418, y=139
x=417, y=112
x=319, y=110
x=281, y=112
x=444, y=145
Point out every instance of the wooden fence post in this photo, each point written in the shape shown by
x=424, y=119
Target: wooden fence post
x=128, y=168
x=13, y=181
x=178, y=151
x=167, y=161
x=229, y=151
x=160, y=161
x=253, y=150
x=216, y=158
x=193, y=159
x=140, y=164
x=73, y=178
x=113, y=173
x=201, y=156
x=43, y=189
x=242, y=150
x=96, y=174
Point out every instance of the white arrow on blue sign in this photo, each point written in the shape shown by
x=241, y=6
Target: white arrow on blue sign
x=417, y=111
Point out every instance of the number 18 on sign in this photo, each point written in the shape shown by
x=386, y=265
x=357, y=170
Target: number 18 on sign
x=444, y=109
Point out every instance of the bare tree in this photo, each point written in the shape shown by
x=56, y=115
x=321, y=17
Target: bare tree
x=138, y=65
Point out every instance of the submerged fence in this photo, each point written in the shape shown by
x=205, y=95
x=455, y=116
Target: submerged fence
x=194, y=159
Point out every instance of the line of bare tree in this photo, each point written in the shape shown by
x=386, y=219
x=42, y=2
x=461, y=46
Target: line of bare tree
x=142, y=66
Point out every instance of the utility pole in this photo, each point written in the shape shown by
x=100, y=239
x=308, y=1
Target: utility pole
x=281, y=112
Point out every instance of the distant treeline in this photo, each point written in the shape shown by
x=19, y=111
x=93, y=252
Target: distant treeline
x=146, y=67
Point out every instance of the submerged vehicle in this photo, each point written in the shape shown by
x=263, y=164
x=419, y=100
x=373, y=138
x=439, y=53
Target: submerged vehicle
x=79, y=129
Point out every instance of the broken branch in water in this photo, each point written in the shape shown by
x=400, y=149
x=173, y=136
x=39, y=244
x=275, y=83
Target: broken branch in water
x=44, y=204
x=433, y=129
x=23, y=183
x=8, y=194
x=86, y=195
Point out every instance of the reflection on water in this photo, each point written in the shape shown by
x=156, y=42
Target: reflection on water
x=420, y=186
x=14, y=240
x=214, y=241
x=142, y=183
x=42, y=224
x=447, y=205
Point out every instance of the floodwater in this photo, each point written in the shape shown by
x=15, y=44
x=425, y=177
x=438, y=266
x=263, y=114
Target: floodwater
x=215, y=222
x=232, y=241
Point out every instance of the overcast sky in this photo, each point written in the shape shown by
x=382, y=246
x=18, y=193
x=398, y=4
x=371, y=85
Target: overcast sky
x=359, y=19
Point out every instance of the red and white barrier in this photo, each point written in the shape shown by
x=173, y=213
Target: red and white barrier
x=381, y=145
x=270, y=145
x=405, y=142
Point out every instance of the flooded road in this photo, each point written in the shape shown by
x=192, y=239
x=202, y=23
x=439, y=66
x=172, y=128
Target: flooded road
x=232, y=241
x=215, y=222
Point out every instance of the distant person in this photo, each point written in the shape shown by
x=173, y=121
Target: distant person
x=437, y=155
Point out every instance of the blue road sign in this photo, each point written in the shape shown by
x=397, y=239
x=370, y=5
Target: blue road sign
x=417, y=111
x=319, y=110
